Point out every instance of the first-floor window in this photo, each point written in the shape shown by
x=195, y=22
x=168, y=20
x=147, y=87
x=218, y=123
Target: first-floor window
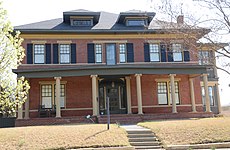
x=164, y=93
x=177, y=52
x=48, y=95
x=210, y=93
x=154, y=52
x=122, y=48
x=98, y=58
x=39, y=53
x=64, y=53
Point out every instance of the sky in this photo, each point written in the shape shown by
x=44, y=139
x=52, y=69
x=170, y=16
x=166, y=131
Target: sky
x=28, y=11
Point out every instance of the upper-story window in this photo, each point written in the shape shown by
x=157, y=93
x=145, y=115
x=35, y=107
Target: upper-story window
x=82, y=22
x=39, y=53
x=204, y=57
x=64, y=53
x=122, y=48
x=137, y=22
x=177, y=52
x=154, y=52
x=98, y=53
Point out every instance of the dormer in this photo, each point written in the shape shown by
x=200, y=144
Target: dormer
x=135, y=18
x=81, y=18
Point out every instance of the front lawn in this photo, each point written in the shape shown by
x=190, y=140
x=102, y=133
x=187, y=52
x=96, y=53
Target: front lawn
x=193, y=131
x=65, y=136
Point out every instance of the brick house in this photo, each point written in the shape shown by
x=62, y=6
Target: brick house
x=73, y=63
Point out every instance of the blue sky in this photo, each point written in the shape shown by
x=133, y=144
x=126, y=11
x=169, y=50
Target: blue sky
x=28, y=11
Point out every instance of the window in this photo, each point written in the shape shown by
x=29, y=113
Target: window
x=62, y=95
x=210, y=93
x=39, y=53
x=136, y=22
x=177, y=52
x=83, y=22
x=98, y=51
x=122, y=48
x=164, y=93
x=154, y=52
x=48, y=97
x=64, y=53
x=204, y=57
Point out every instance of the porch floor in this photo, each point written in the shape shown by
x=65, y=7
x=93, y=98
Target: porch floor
x=114, y=118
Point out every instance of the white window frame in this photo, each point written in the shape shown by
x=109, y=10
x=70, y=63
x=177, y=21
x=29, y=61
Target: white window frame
x=211, y=97
x=177, y=50
x=122, y=53
x=38, y=52
x=168, y=92
x=204, y=57
x=154, y=50
x=53, y=84
x=63, y=52
x=98, y=53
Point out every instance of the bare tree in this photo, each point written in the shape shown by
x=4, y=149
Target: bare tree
x=211, y=24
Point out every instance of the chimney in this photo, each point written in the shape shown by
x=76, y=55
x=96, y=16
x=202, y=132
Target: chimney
x=180, y=19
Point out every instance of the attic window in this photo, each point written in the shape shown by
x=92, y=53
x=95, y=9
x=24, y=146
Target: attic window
x=82, y=22
x=132, y=22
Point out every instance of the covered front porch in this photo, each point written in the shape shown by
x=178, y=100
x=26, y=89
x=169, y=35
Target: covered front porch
x=131, y=91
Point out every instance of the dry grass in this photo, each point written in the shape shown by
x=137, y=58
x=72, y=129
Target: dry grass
x=61, y=137
x=194, y=131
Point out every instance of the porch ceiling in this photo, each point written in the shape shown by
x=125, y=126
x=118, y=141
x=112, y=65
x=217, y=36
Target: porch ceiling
x=77, y=70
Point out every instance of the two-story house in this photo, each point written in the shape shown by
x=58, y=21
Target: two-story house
x=145, y=67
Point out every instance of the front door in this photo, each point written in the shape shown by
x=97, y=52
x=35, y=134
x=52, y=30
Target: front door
x=116, y=91
x=113, y=94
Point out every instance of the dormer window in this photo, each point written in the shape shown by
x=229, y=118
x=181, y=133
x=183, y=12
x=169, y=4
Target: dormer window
x=131, y=22
x=82, y=22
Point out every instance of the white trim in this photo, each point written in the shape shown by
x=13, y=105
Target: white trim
x=38, y=42
x=167, y=79
x=65, y=42
x=109, y=41
x=169, y=106
x=210, y=83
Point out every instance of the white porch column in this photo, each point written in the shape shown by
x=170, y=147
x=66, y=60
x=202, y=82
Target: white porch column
x=27, y=108
x=192, y=95
x=139, y=93
x=94, y=93
x=20, y=114
x=128, y=90
x=207, y=100
x=173, y=96
x=218, y=98
x=58, y=86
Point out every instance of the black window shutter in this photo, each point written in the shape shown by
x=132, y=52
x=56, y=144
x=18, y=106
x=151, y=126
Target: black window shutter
x=29, y=53
x=163, y=52
x=146, y=52
x=73, y=53
x=48, y=53
x=91, y=54
x=130, y=54
x=186, y=56
x=170, y=54
x=55, y=54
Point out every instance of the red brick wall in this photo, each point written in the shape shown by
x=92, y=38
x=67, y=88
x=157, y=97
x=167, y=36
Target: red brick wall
x=78, y=94
x=82, y=48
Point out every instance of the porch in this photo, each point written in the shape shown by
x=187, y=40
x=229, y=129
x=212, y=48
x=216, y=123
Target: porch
x=115, y=118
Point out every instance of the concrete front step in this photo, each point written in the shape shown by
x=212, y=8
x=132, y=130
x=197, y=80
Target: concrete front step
x=143, y=143
x=140, y=139
x=148, y=147
x=139, y=132
x=140, y=135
